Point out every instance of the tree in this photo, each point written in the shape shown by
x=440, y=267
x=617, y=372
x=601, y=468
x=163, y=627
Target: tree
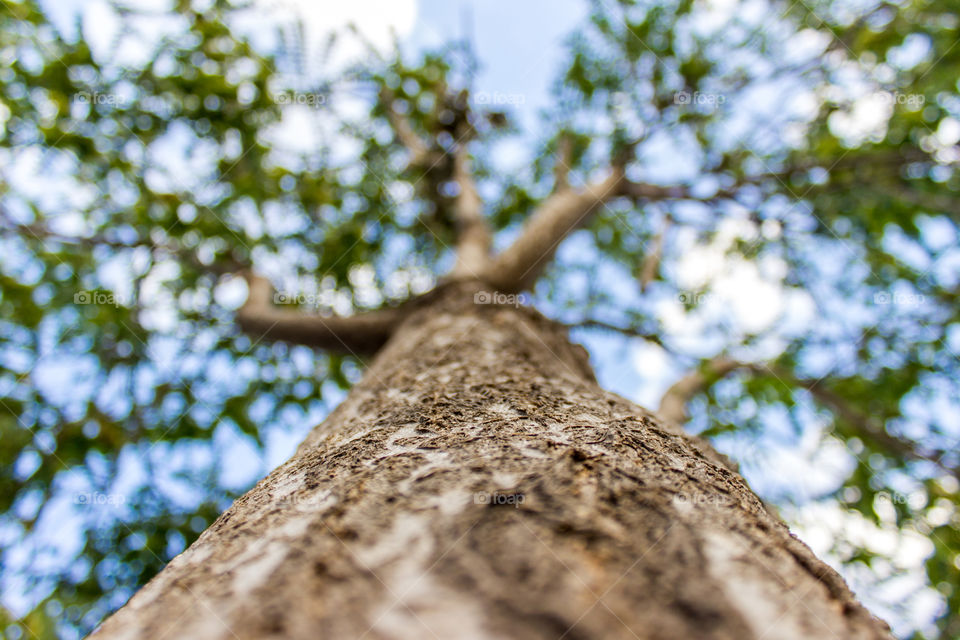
x=477, y=479
x=478, y=483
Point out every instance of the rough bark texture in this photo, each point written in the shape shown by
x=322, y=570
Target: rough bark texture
x=477, y=483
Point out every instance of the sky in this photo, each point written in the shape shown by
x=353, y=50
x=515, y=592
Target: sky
x=520, y=46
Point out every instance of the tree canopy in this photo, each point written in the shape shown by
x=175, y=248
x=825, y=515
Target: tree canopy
x=781, y=227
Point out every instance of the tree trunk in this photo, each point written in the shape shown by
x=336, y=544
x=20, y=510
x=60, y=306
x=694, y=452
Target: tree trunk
x=477, y=483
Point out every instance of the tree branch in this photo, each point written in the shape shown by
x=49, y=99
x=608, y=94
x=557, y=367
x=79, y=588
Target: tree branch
x=651, y=262
x=644, y=191
x=519, y=266
x=420, y=154
x=473, y=233
x=865, y=427
x=627, y=331
x=561, y=169
x=673, y=404
x=360, y=334
x=43, y=233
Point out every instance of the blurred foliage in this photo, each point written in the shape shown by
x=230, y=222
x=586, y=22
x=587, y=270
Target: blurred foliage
x=816, y=142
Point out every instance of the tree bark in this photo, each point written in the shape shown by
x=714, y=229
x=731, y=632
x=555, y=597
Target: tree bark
x=478, y=483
